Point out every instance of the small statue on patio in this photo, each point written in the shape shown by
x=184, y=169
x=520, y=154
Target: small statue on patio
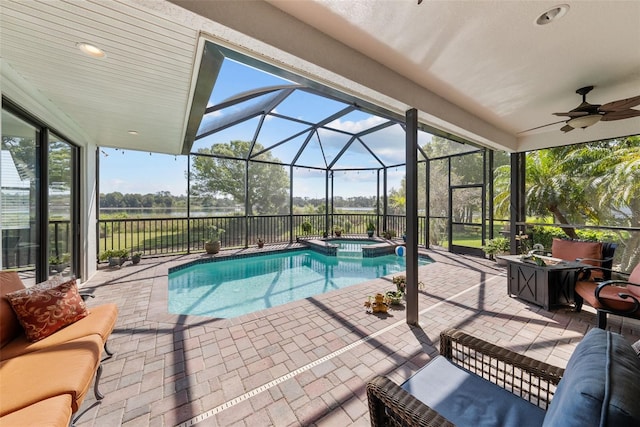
x=378, y=306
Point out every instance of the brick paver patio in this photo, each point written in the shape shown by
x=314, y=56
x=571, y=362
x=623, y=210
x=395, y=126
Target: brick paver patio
x=306, y=362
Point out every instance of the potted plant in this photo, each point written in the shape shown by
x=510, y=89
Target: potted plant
x=136, y=257
x=497, y=246
x=260, y=242
x=400, y=282
x=306, y=227
x=523, y=242
x=371, y=228
x=59, y=263
x=394, y=297
x=337, y=230
x=212, y=243
x=389, y=234
x=116, y=257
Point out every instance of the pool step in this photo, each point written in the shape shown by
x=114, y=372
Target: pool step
x=343, y=253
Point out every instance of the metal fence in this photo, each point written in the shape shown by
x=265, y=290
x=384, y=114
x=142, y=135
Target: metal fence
x=20, y=245
x=163, y=236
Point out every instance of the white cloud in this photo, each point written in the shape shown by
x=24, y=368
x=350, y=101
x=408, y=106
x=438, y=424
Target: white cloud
x=356, y=127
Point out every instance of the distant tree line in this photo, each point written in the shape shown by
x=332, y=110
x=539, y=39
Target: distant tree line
x=161, y=199
x=164, y=199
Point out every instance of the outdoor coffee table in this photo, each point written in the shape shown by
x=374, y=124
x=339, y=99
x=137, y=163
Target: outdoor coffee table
x=549, y=286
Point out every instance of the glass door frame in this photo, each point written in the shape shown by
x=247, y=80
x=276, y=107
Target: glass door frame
x=481, y=224
x=42, y=191
x=474, y=251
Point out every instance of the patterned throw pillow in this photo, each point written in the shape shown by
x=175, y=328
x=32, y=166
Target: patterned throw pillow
x=47, y=307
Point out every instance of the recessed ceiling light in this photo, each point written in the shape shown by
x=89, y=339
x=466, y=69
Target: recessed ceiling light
x=91, y=50
x=552, y=14
x=132, y=132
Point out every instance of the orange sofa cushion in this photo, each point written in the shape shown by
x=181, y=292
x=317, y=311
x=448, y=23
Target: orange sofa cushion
x=570, y=250
x=100, y=321
x=52, y=412
x=44, y=309
x=66, y=368
x=9, y=325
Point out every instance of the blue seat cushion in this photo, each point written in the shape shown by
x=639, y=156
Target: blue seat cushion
x=601, y=385
x=466, y=399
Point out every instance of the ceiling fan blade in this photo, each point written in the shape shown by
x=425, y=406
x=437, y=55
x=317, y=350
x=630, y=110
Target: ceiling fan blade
x=540, y=127
x=620, y=115
x=566, y=128
x=622, y=104
x=572, y=113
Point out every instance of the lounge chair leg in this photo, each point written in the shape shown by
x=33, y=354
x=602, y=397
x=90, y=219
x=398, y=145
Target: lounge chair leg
x=96, y=392
x=602, y=319
x=84, y=411
x=99, y=396
x=109, y=353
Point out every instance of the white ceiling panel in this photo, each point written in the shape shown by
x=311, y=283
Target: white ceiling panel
x=481, y=70
x=143, y=83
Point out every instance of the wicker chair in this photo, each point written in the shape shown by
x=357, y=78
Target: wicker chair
x=475, y=383
x=533, y=381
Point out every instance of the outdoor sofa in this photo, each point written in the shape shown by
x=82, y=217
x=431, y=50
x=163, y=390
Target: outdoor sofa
x=475, y=383
x=50, y=350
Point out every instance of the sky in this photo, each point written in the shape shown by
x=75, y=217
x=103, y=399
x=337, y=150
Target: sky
x=129, y=171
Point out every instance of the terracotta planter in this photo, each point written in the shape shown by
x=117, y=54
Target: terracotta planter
x=212, y=247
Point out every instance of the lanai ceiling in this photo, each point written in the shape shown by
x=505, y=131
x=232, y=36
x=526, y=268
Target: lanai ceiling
x=483, y=71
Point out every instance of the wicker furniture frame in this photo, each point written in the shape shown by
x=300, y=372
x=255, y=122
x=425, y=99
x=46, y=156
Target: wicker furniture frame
x=532, y=380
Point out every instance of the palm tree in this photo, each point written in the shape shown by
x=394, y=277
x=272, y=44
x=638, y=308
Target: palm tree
x=613, y=169
x=551, y=188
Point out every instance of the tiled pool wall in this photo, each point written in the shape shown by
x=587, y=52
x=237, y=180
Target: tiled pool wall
x=375, y=249
x=232, y=257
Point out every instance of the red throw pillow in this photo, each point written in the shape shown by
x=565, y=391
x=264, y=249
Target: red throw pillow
x=48, y=307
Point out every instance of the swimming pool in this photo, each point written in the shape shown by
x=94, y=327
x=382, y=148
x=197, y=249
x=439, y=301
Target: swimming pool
x=234, y=287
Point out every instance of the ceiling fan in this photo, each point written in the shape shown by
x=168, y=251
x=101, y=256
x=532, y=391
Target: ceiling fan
x=585, y=114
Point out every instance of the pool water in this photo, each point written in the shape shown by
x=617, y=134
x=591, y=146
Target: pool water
x=231, y=288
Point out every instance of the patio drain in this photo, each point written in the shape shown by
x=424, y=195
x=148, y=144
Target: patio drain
x=210, y=413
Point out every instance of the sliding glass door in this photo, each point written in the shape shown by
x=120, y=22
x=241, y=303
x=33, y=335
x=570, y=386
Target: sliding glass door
x=19, y=195
x=38, y=200
x=62, y=212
